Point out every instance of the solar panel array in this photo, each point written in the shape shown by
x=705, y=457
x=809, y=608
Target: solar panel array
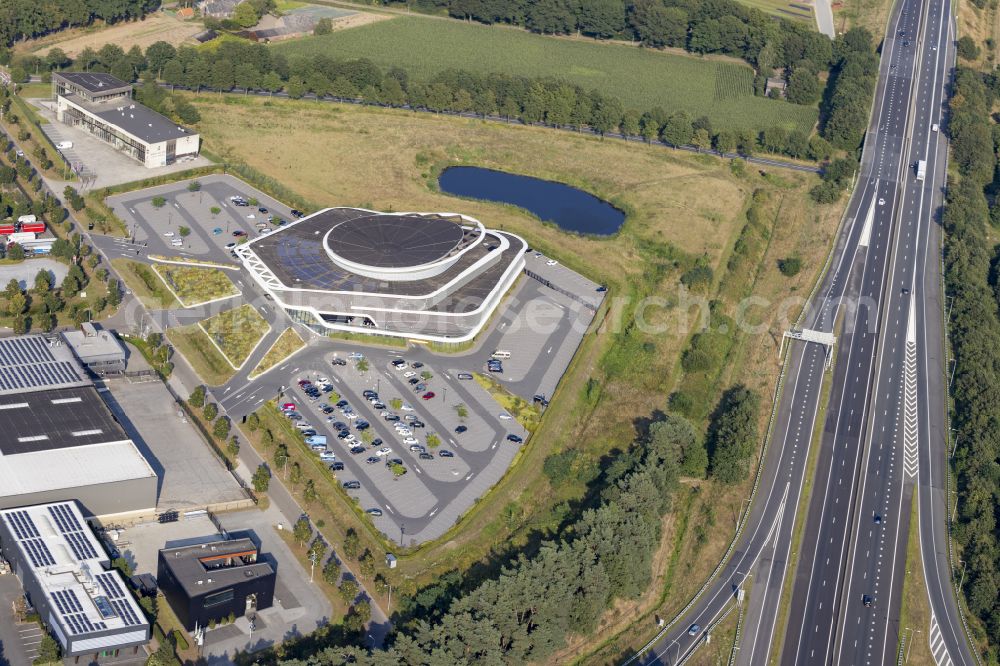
x=24, y=526
x=27, y=363
x=28, y=535
x=116, y=595
x=73, y=531
x=68, y=605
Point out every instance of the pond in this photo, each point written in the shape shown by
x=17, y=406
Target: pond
x=571, y=209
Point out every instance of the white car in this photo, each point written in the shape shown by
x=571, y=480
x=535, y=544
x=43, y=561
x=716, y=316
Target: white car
x=177, y=242
x=409, y=373
x=505, y=416
x=303, y=426
x=350, y=439
x=384, y=451
x=410, y=440
x=323, y=380
x=551, y=262
x=406, y=408
x=251, y=216
x=168, y=234
x=405, y=434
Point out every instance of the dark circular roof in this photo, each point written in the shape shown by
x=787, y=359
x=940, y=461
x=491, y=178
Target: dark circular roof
x=394, y=241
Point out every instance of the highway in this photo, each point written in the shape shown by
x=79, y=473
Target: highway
x=888, y=247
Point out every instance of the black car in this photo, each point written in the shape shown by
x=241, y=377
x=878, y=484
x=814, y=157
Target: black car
x=342, y=434
x=866, y=600
x=413, y=380
x=342, y=403
x=514, y=438
x=461, y=429
x=416, y=364
x=426, y=456
x=445, y=454
x=296, y=213
x=394, y=461
x=362, y=425
x=372, y=460
x=377, y=442
x=416, y=424
x=326, y=409
x=378, y=405
x=328, y=388
x=357, y=449
x=308, y=433
x=339, y=425
x=391, y=417
x=398, y=363
x=338, y=361
x=368, y=393
x=337, y=467
x=262, y=210
x=352, y=485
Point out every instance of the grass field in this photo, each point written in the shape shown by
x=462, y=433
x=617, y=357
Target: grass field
x=640, y=78
x=679, y=207
x=144, y=283
x=236, y=331
x=155, y=27
x=194, y=286
x=790, y=9
x=287, y=344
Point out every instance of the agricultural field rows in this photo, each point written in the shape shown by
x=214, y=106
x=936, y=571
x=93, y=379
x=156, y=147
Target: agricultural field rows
x=640, y=78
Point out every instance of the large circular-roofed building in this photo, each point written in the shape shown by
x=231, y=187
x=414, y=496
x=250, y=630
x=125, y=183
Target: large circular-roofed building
x=427, y=276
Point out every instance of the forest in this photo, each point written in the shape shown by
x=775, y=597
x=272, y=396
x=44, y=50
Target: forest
x=26, y=19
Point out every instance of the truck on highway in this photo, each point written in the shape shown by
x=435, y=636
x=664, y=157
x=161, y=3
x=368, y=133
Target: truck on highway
x=921, y=169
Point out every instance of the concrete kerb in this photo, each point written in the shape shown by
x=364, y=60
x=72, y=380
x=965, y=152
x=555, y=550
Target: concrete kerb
x=191, y=305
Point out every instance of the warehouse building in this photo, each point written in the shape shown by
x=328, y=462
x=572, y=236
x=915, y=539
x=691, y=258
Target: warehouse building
x=67, y=579
x=102, y=105
x=425, y=276
x=211, y=581
x=58, y=439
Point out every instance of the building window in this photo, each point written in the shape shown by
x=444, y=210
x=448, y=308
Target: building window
x=219, y=598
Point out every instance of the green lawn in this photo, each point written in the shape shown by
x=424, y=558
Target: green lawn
x=640, y=78
x=194, y=286
x=206, y=360
x=236, y=332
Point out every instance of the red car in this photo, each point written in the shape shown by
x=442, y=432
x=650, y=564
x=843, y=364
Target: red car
x=428, y=395
x=288, y=405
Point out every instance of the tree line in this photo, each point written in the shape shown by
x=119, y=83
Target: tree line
x=248, y=66
x=972, y=269
x=26, y=19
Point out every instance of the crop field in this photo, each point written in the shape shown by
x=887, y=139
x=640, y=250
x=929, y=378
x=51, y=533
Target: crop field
x=155, y=27
x=640, y=78
x=236, y=332
x=790, y=9
x=194, y=286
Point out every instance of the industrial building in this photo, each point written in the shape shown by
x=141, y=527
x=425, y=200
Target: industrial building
x=58, y=439
x=67, y=579
x=425, y=276
x=102, y=105
x=207, y=582
x=99, y=350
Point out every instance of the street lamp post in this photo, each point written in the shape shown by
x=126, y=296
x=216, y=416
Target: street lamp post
x=962, y=581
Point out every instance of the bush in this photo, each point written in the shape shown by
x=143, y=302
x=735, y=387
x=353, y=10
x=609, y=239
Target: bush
x=967, y=49
x=790, y=266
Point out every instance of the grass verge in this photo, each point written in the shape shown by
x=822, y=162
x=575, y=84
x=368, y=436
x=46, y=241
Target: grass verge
x=145, y=284
x=527, y=414
x=287, y=344
x=199, y=351
x=915, y=611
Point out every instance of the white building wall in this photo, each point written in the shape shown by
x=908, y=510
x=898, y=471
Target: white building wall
x=188, y=145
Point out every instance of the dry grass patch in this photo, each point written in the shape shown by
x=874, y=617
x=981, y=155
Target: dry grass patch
x=154, y=28
x=287, y=344
x=201, y=354
x=981, y=24
x=870, y=14
x=145, y=284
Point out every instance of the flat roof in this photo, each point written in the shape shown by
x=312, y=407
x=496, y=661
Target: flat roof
x=36, y=362
x=134, y=118
x=394, y=241
x=94, y=343
x=202, y=568
x=57, y=419
x=94, y=82
x=67, y=561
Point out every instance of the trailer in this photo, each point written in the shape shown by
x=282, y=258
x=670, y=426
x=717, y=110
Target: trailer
x=7, y=229
x=20, y=237
x=921, y=169
x=33, y=227
x=27, y=219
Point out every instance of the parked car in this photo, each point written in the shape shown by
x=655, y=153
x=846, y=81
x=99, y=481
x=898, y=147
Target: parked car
x=261, y=209
x=399, y=363
x=416, y=424
x=426, y=456
x=297, y=213
x=391, y=417
x=371, y=460
x=464, y=375
x=338, y=361
x=416, y=448
x=337, y=467
x=514, y=438
x=328, y=456
x=288, y=405
x=357, y=449
x=377, y=442
x=444, y=453
x=428, y=395
x=416, y=364
x=460, y=429
x=374, y=512
x=352, y=485
x=230, y=245
x=238, y=233
x=410, y=440
x=409, y=373
x=217, y=231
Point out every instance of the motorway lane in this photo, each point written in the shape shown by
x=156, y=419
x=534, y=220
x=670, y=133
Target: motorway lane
x=816, y=595
x=878, y=564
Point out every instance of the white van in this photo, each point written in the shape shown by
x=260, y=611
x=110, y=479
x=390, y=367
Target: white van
x=934, y=127
x=64, y=145
x=501, y=353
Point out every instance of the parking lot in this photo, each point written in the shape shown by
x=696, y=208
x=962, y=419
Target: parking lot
x=437, y=487
x=210, y=236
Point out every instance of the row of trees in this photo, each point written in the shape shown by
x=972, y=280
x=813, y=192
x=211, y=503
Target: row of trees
x=25, y=19
x=847, y=103
x=975, y=337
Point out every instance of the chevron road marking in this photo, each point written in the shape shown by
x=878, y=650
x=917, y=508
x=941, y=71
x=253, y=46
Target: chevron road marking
x=938, y=649
x=866, y=232
x=910, y=452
